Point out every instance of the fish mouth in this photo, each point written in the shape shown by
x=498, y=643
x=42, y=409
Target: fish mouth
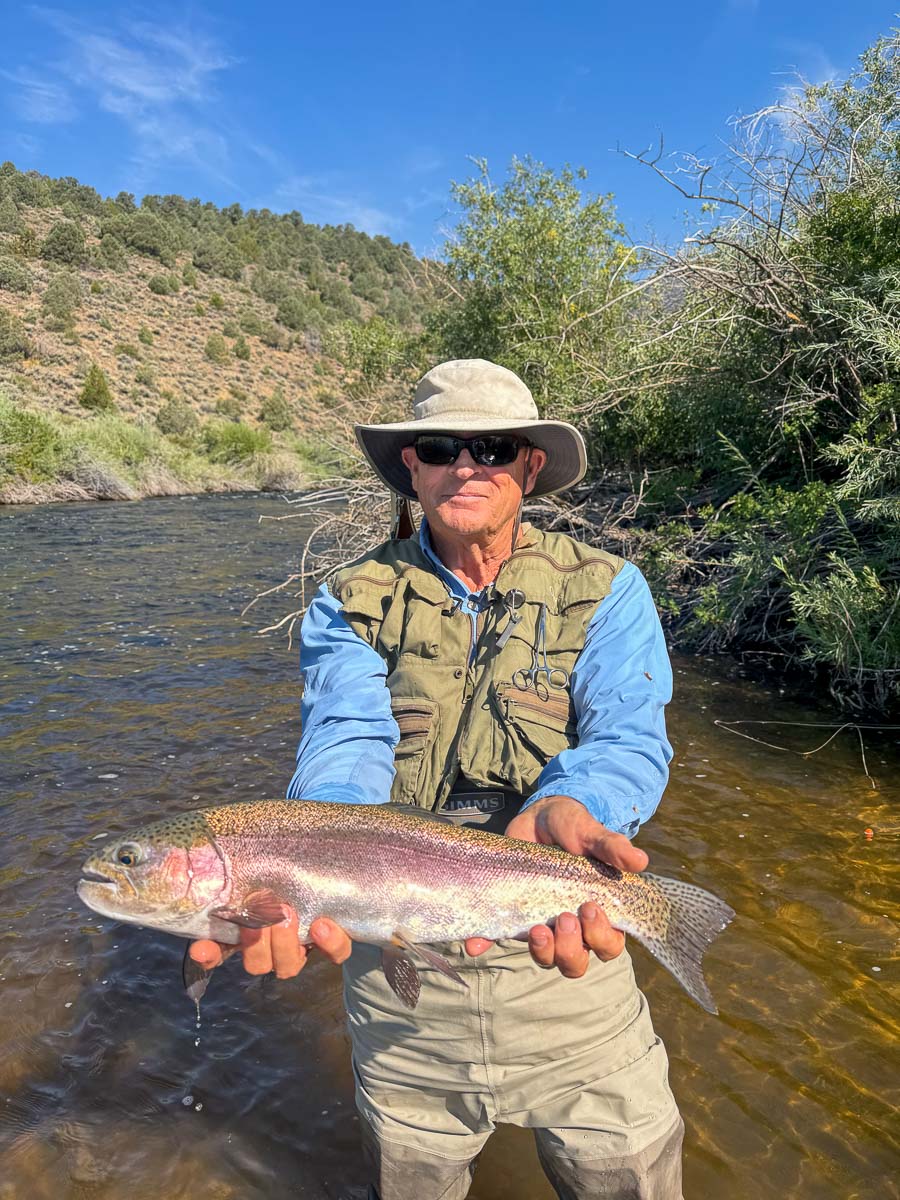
x=94, y=876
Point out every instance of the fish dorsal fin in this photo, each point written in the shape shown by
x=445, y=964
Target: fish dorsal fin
x=426, y=814
x=259, y=910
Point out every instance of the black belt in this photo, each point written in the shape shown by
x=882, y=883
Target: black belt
x=474, y=804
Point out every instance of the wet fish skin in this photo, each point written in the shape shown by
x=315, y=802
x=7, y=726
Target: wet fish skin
x=389, y=875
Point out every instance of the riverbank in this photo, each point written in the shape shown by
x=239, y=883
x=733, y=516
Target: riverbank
x=53, y=458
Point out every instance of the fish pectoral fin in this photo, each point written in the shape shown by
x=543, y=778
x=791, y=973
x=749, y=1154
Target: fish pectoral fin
x=431, y=956
x=400, y=972
x=257, y=912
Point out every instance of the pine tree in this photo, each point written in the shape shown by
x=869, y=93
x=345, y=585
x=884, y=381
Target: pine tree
x=95, y=393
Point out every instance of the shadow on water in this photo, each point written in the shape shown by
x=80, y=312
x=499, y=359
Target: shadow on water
x=130, y=687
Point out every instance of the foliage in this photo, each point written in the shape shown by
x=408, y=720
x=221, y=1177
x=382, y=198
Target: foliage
x=63, y=296
x=216, y=256
x=110, y=253
x=145, y=336
x=10, y=218
x=277, y=412
x=14, y=277
x=538, y=266
x=230, y=407
x=216, y=301
x=64, y=244
x=164, y=285
x=233, y=442
x=30, y=447
x=241, y=349
x=176, y=418
x=216, y=349
x=95, y=393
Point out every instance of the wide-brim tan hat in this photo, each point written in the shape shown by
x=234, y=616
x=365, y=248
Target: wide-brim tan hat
x=471, y=395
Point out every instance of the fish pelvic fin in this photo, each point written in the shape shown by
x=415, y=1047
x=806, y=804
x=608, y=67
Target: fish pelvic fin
x=196, y=978
x=695, y=919
x=400, y=972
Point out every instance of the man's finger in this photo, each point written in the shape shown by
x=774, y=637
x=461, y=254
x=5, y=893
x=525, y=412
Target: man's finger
x=477, y=945
x=617, y=851
x=288, y=956
x=256, y=947
x=541, y=945
x=331, y=939
x=607, y=943
x=570, y=954
x=207, y=954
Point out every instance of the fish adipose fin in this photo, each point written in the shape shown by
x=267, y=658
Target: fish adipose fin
x=400, y=972
x=258, y=911
x=695, y=919
x=431, y=956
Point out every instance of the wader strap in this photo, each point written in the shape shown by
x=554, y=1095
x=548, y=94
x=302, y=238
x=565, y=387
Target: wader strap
x=402, y=524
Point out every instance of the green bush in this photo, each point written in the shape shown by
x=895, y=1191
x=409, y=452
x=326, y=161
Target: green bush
x=216, y=256
x=64, y=244
x=234, y=442
x=95, y=393
x=128, y=349
x=63, y=296
x=216, y=349
x=276, y=412
x=13, y=276
x=199, y=309
x=251, y=322
x=188, y=276
x=271, y=335
x=241, y=349
x=164, y=285
x=10, y=220
x=216, y=301
x=231, y=329
x=110, y=253
x=230, y=407
x=96, y=287
x=177, y=419
x=14, y=341
x=145, y=336
x=148, y=234
x=30, y=446
x=145, y=376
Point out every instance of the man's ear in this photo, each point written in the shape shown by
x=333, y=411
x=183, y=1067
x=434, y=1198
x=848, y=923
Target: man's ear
x=536, y=461
x=411, y=462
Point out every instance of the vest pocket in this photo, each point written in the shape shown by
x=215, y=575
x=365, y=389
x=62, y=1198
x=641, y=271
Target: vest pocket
x=417, y=721
x=546, y=727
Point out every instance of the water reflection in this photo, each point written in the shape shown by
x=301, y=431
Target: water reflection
x=131, y=688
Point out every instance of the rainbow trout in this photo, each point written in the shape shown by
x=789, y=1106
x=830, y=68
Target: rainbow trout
x=391, y=875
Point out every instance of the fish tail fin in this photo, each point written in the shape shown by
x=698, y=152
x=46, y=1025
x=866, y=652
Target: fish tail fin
x=695, y=919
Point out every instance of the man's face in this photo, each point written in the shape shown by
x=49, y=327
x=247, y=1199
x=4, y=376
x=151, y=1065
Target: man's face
x=464, y=499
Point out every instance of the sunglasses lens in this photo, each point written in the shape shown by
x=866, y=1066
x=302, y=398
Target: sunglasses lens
x=494, y=451
x=438, y=449
x=441, y=449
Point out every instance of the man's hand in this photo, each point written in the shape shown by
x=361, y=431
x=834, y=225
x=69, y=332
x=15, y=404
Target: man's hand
x=277, y=947
x=562, y=821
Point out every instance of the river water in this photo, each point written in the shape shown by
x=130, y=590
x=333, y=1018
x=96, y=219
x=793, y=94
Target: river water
x=130, y=687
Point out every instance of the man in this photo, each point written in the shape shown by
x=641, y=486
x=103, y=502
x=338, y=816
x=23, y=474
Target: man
x=512, y=679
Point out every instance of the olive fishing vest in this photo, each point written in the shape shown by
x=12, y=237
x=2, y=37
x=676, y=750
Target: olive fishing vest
x=453, y=696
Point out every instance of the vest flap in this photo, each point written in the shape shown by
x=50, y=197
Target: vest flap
x=590, y=583
x=366, y=597
x=426, y=586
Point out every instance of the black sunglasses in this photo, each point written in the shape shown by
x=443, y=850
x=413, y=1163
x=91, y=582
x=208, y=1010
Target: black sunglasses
x=489, y=450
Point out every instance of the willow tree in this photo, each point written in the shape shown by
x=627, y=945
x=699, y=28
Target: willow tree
x=535, y=266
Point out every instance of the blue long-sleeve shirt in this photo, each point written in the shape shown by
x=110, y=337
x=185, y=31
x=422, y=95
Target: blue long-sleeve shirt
x=620, y=683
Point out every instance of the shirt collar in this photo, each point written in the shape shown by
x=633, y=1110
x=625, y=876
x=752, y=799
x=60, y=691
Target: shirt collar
x=453, y=582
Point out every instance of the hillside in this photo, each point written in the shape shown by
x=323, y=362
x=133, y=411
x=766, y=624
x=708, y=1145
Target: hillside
x=198, y=318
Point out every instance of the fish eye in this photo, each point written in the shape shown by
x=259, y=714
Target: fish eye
x=129, y=855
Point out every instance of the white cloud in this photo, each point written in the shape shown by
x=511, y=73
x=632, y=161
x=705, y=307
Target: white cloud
x=40, y=100
x=326, y=199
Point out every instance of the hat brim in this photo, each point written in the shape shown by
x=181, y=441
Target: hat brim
x=563, y=444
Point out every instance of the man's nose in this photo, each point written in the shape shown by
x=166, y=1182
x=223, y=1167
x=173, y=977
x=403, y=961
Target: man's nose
x=465, y=462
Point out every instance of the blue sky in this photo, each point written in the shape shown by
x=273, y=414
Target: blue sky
x=364, y=112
